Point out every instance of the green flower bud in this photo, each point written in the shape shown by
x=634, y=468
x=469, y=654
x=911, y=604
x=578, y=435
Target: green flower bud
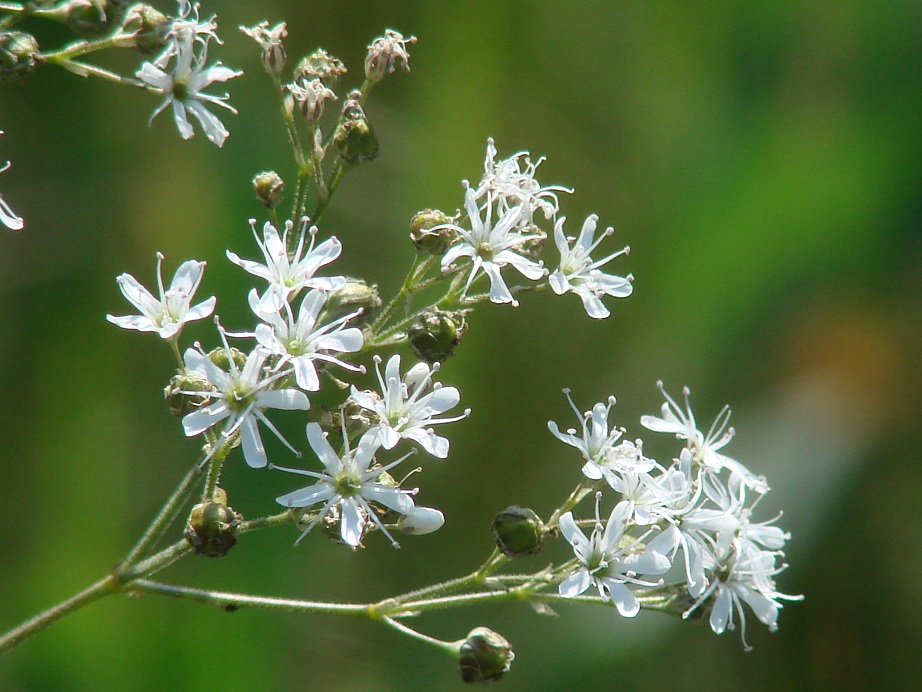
x=320, y=65
x=435, y=334
x=518, y=531
x=149, y=26
x=178, y=399
x=485, y=656
x=354, y=138
x=268, y=187
x=219, y=357
x=19, y=55
x=358, y=420
x=212, y=527
x=351, y=296
x=425, y=240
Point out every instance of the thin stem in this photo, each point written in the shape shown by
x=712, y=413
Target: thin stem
x=336, y=176
x=232, y=601
x=84, y=70
x=450, y=647
x=79, y=48
x=166, y=516
x=104, y=587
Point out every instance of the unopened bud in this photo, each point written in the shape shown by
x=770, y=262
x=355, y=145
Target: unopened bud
x=425, y=239
x=212, y=527
x=354, y=138
x=532, y=248
x=518, y=531
x=220, y=357
x=435, y=334
x=355, y=294
x=180, y=393
x=19, y=55
x=421, y=520
x=320, y=65
x=149, y=26
x=268, y=187
x=485, y=656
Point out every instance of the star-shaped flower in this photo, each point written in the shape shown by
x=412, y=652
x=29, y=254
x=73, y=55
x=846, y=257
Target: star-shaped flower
x=350, y=483
x=579, y=274
x=168, y=314
x=295, y=272
x=706, y=447
x=302, y=342
x=242, y=397
x=491, y=247
x=606, y=562
x=406, y=408
x=182, y=87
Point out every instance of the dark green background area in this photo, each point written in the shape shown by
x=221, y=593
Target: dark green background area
x=762, y=159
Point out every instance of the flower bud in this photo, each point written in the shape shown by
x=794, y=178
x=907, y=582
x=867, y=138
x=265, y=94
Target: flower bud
x=19, y=55
x=485, y=656
x=268, y=187
x=435, y=334
x=178, y=397
x=219, y=357
x=426, y=240
x=320, y=65
x=349, y=297
x=149, y=26
x=354, y=138
x=212, y=527
x=518, y=531
x=421, y=520
x=532, y=248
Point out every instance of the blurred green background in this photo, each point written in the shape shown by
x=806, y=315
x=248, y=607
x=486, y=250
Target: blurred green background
x=762, y=159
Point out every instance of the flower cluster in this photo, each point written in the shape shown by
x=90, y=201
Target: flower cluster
x=302, y=331
x=696, y=506
x=180, y=76
x=498, y=228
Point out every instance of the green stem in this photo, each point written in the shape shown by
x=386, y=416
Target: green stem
x=232, y=601
x=104, y=587
x=86, y=47
x=450, y=647
x=336, y=176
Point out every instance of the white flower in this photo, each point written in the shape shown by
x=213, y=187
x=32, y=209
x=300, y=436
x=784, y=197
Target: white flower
x=182, y=88
x=421, y=520
x=406, y=410
x=168, y=314
x=598, y=444
x=242, y=396
x=302, y=342
x=512, y=182
x=745, y=577
x=493, y=246
x=349, y=484
x=578, y=272
x=187, y=26
x=606, y=562
x=706, y=448
x=295, y=272
x=7, y=216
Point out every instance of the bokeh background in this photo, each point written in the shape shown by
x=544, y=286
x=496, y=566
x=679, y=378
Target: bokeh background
x=764, y=162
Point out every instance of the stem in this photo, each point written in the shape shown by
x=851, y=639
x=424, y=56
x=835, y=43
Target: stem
x=103, y=587
x=86, y=47
x=338, y=173
x=232, y=601
x=450, y=647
